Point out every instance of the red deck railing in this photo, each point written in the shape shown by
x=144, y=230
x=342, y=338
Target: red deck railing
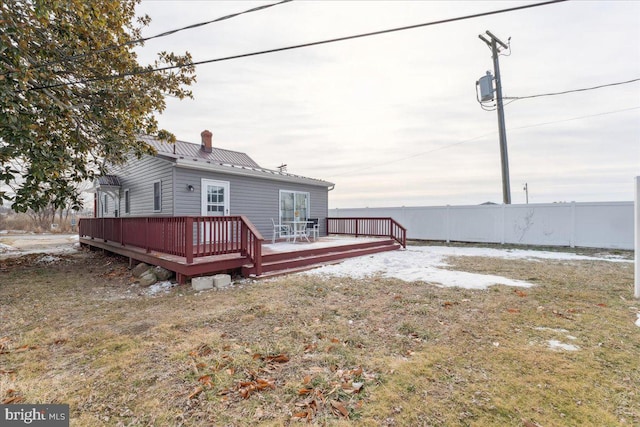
x=185, y=236
x=379, y=227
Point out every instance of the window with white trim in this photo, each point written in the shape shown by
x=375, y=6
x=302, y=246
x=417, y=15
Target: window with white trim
x=157, y=196
x=127, y=202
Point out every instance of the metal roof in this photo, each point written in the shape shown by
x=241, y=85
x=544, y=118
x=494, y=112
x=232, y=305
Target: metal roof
x=191, y=155
x=193, y=151
x=108, y=181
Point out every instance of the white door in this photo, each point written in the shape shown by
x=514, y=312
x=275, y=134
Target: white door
x=215, y=202
x=215, y=198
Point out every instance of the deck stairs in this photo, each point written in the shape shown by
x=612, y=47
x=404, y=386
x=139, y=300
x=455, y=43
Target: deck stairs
x=279, y=263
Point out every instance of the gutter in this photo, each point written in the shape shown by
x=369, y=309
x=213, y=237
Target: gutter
x=250, y=172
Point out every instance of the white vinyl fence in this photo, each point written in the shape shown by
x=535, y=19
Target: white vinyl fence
x=595, y=225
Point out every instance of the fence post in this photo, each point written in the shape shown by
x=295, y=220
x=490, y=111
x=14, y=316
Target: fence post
x=572, y=239
x=448, y=224
x=188, y=239
x=636, y=245
x=503, y=238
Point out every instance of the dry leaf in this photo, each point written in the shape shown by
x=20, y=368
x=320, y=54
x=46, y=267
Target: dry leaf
x=310, y=348
x=303, y=414
x=305, y=380
x=196, y=392
x=339, y=409
x=206, y=380
x=513, y=310
x=335, y=340
x=25, y=348
x=357, y=371
x=281, y=358
x=262, y=384
x=304, y=391
x=12, y=399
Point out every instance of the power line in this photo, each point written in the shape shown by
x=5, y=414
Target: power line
x=299, y=46
x=515, y=98
x=483, y=136
x=144, y=39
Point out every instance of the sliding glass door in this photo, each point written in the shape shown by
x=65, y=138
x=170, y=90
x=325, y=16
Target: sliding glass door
x=294, y=205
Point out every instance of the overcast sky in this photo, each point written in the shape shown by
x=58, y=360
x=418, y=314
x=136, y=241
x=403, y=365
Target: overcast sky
x=393, y=119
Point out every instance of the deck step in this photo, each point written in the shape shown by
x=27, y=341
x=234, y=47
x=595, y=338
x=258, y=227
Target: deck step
x=277, y=273
x=333, y=255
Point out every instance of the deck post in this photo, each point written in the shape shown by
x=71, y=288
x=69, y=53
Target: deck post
x=146, y=234
x=244, y=242
x=357, y=224
x=188, y=239
x=258, y=256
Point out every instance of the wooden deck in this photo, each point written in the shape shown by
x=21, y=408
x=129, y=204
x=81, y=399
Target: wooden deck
x=275, y=261
x=197, y=246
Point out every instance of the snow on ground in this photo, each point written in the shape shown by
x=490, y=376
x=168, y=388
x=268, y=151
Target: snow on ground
x=159, y=287
x=6, y=248
x=426, y=263
x=557, y=345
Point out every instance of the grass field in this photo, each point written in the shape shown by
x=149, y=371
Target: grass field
x=324, y=350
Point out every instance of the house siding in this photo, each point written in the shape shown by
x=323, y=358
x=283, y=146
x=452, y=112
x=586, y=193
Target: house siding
x=256, y=198
x=138, y=176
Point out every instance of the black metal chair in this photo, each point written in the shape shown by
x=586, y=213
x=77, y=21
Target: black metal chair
x=313, y=228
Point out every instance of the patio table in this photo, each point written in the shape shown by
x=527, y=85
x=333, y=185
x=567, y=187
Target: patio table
x=299, y=228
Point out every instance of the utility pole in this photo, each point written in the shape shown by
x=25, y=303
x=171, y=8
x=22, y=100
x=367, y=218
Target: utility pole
x=526, y=191
x=504, y=158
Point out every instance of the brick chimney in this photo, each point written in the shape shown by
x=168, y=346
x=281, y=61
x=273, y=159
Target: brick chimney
x=206, y=141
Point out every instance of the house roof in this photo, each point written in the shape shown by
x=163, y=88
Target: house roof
x=188, y=150
x=189, y=155
x=108, y=181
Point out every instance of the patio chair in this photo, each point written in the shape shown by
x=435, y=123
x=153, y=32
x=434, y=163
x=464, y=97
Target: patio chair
x=280, y=231
x=313, y=228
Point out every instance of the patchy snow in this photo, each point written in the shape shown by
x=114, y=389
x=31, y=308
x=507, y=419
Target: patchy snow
x=557, y=345
x=519, y=254
x=638, y=321
x=47, y=259
x=426, y=263
x=159, y=287
x=542, y=328
x=6, y=248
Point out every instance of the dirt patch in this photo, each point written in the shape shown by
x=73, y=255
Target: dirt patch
x=330, y=351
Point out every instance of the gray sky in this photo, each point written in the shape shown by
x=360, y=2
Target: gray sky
x=393, y=119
